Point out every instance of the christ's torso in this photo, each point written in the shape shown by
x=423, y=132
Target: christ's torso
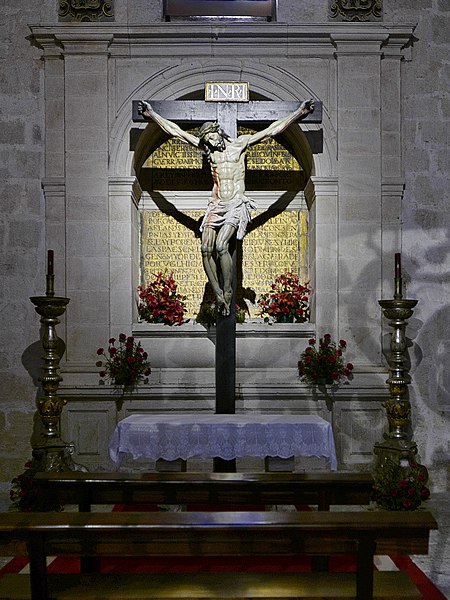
x=228, y=171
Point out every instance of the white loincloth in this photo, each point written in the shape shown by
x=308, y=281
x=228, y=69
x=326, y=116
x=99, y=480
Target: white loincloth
x=235, y=213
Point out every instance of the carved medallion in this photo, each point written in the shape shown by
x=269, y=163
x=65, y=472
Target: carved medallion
x=356, y=10
x=85, y=10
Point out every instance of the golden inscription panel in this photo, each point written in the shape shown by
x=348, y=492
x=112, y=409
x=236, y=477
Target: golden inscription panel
x=175, y=154
x=267, y=155
x=168, y=245
x=278, y=245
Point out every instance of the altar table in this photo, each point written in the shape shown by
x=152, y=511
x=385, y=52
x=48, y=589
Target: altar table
x=182, y=436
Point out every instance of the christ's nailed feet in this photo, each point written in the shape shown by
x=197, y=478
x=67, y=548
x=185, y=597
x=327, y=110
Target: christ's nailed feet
x=223, y=305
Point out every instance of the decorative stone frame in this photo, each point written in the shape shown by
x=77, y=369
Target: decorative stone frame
x=354, y=196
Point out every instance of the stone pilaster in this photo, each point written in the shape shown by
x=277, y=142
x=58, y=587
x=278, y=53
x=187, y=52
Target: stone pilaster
x=393, y=184
x=321, y=194
x=54, y=107
x=87, y=201
x=54, y=190
x=359, y=209
x=124, y=228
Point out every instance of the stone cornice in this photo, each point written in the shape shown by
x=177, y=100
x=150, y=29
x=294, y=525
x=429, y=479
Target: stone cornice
x=253, y=328
x=270, y=38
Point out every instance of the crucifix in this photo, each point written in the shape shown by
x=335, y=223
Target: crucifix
x=228, y=211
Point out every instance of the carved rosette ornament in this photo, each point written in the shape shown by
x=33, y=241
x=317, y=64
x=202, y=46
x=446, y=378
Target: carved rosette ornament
x=86, y=10
x=356, y=10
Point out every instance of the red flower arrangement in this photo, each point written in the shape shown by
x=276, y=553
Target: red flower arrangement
x=324, y=364
x=160, y=302
x=125, y=364
x=287, y=301
x=26, y=496
x=400, y=486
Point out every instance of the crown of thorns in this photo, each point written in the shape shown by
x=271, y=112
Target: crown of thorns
x=212, y=127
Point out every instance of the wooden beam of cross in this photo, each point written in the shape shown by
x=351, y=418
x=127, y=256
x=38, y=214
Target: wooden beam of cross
x=188, y=113
x=229, y=114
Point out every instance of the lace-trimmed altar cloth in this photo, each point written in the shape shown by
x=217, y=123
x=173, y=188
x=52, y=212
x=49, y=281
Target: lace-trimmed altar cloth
x=170, y=437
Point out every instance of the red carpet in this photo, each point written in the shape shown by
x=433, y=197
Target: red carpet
x=228, y=564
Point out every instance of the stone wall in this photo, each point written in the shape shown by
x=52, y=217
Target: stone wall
x=426, y=225
x=22, y=227
x=24, y=224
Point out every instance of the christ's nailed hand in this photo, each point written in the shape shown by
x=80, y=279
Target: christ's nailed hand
x=143, y=107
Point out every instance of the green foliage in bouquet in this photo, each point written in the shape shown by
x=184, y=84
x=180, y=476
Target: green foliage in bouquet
x=207, y=315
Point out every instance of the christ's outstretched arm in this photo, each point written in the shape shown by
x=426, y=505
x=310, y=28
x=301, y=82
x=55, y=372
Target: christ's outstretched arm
x=279, y=126
x=169, y=127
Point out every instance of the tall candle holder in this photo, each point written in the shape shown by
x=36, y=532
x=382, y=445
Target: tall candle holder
x=397, y=444
x=51, y=453
x=398, y=407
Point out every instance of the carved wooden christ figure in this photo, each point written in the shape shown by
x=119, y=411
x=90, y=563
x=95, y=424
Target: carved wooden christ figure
x=228, y=209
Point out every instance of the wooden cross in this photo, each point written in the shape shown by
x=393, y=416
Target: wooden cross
x=189, y=113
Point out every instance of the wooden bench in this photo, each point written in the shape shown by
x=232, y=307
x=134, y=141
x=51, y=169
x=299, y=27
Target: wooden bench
x=175, y=534
x=321, y=489
x=242, y=489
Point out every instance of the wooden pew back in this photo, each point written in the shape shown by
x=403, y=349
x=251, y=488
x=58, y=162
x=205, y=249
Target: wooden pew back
x=321, y=489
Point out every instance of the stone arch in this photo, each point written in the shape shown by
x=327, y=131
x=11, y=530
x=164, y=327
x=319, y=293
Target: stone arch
x=273, y=83
x=270, y=82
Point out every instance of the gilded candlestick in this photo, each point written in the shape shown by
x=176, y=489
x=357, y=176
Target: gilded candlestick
x=50, y=405
x=51, y=453
x=398, y=407
x=397, y=445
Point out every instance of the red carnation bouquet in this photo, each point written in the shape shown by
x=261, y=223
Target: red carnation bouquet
x=160, y=301
x=26, y=495
x=125, y=364
x=288, y=300
x=322, y=363
x=399, y=486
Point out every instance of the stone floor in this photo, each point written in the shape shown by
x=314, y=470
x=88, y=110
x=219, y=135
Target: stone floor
x=436, y=565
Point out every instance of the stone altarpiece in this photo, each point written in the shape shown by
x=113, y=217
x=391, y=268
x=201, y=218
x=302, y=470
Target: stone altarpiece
x=94, y=202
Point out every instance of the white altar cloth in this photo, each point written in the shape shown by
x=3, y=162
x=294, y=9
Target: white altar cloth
x=174, y=436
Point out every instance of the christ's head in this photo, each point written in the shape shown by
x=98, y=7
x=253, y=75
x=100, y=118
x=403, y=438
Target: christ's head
x=212, y=135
